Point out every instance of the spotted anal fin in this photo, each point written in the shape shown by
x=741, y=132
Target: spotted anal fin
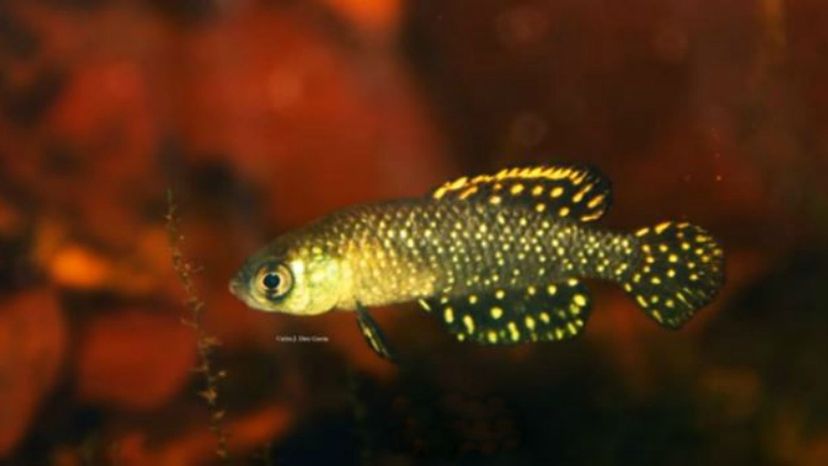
x=552, y=312
x=565, y=191
x=373, y=335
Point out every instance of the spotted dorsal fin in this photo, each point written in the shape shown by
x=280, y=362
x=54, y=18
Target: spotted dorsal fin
x=566, y=191
x=553, y=312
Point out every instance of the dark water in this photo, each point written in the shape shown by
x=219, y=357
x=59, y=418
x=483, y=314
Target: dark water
x=263, y=115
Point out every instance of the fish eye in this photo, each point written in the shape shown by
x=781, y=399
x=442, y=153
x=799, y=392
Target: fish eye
x=274, y=282
x=271, y=280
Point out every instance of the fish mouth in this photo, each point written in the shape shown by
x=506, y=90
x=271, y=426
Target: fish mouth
x=235, y=287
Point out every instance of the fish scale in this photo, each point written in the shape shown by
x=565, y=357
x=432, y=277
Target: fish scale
x=405, y=250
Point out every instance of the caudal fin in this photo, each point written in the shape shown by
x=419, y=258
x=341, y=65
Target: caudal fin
x=681, y=270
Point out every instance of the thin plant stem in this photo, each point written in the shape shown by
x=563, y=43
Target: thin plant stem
x=211, y=375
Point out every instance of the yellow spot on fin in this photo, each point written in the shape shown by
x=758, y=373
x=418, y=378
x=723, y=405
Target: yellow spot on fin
x=505, y=317
x=576, y=192
x=681, y=266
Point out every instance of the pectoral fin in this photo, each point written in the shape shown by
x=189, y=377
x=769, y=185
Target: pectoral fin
x=373, y=335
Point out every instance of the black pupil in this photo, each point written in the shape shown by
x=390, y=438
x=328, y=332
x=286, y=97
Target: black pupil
x=272, y=281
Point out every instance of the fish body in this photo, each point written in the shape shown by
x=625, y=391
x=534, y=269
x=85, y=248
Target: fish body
x=401, y=251
x=500, y=259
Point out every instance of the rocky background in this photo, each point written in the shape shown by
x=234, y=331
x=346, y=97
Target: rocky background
x=264, y=114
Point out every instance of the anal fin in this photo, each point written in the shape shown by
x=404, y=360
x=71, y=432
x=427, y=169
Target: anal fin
x=553, y=312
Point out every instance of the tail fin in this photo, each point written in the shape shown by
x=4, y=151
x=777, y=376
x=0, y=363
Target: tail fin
x=681, y=270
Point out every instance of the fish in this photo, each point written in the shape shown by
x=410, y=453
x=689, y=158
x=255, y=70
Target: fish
x=499, y=259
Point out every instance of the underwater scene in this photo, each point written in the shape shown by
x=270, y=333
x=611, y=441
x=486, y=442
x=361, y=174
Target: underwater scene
x=413, y=232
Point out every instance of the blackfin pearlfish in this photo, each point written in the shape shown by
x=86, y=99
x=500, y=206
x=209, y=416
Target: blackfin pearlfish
x=499, y=259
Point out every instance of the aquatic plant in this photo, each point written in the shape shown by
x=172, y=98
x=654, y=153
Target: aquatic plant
x=211, y=375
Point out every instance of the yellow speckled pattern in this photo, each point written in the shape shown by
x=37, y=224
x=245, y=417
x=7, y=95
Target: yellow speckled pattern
x=499, y=258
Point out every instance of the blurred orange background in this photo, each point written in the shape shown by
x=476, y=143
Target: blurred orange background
x=262, y=115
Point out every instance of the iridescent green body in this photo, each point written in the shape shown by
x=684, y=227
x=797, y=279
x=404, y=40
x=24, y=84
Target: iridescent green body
x=500, y=258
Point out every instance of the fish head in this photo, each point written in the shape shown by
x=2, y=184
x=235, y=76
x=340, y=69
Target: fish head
x=289, y=276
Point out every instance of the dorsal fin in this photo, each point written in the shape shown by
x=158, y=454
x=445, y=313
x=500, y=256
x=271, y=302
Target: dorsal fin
x=566, y=191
